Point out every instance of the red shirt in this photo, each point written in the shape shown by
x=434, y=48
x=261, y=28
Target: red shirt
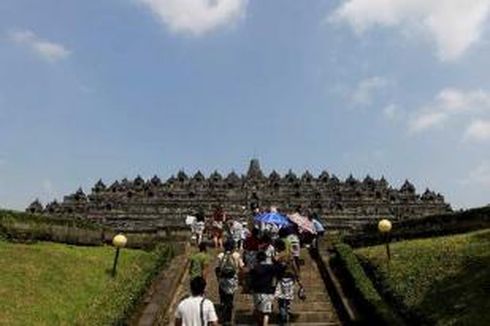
x=251, y=243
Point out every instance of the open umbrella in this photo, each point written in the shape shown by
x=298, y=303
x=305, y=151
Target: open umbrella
x=273, y=218
x=303, y=223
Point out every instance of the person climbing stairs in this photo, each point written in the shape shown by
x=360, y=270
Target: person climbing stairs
x=316, y=309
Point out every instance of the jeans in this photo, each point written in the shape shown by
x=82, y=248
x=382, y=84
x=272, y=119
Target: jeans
x=283, y=311
x=226, y=301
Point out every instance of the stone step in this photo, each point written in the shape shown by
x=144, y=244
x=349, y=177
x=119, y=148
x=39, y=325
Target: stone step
x=310, y=297
x=332, y=323
x=329, y=310
x=295, y=306
x=296, y=317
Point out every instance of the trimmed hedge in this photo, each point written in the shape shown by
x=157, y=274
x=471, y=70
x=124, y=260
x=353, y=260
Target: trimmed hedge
x=26, y=228
x=424, y=227
x=372, y=305
x=10, y=215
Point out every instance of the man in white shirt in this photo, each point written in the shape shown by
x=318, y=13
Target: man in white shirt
x=196, y=310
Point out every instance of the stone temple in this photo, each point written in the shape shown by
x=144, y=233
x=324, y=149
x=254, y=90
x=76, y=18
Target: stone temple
x=152, y=205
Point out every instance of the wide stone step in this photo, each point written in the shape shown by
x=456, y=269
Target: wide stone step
x=310, y=297
x=300, y=324
x=296, y=317
x=297, y=308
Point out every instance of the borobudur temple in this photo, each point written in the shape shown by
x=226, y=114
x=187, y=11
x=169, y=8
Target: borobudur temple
x=151, y=205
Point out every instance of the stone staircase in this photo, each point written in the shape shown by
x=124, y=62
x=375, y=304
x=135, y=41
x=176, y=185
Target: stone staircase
x=317, y=309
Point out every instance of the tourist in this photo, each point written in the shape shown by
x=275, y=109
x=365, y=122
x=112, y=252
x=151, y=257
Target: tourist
x=251, y=246
x=244, y=234
x=236, y=229
x=198, y=227
x=293, y=245
x=319, y=228
x=199, y=262
x=288, y=274
x=230, y=264
x=267, y=247
x=196, y=310
x=262, y=287
x=219, y=218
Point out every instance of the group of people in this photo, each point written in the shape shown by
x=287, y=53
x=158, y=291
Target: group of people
x=265, y=260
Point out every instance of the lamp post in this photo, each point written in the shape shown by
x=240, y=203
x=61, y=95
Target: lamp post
x=119, y=241
x=384, y=227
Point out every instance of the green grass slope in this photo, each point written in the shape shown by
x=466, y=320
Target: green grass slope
x=443, y=281
x=56, y=284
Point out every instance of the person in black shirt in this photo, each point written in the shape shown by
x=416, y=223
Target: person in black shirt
x=263, y=288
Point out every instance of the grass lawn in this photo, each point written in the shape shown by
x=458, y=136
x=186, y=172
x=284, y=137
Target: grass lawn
x=56, y=284
x=443, y=281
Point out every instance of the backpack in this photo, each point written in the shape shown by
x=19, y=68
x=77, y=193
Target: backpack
x=288, y=268
x=227, y=268
x=294, y=245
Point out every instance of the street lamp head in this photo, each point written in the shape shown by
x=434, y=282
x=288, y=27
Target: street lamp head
x=384, y=226
x=119, y=241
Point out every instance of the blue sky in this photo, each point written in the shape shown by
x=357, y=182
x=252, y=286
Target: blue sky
x=116, y=88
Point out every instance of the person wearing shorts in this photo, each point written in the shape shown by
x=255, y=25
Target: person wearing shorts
x=287, y=275
x=198, y=228
x=219, y=218
x=263, y=288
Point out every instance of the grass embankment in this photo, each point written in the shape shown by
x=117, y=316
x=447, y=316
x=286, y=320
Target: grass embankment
x=56, y=284
x=374, y=309
x=442, y=281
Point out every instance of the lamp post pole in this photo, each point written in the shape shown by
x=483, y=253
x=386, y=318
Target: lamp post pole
x=115, y=263
x=119, y=241
x=384, y=227
x=387, y=244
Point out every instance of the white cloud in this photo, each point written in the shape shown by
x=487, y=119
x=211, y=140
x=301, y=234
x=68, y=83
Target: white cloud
x=393, y=112
x=427, y=120
x=449, y=104
x=478, y=130
x=480, y=175
x=196, y=17
x=46, y=49
x=366, y=89
x=454, y=25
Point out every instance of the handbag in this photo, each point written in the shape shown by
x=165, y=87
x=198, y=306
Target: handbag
x=302, y=293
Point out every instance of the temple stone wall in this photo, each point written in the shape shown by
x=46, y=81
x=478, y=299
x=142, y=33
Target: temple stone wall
x=150, y=205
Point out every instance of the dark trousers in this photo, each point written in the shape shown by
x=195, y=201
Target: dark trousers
x=226, y=303
x=283, y=311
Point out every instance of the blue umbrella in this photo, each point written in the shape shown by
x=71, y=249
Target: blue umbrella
x=273, y=218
